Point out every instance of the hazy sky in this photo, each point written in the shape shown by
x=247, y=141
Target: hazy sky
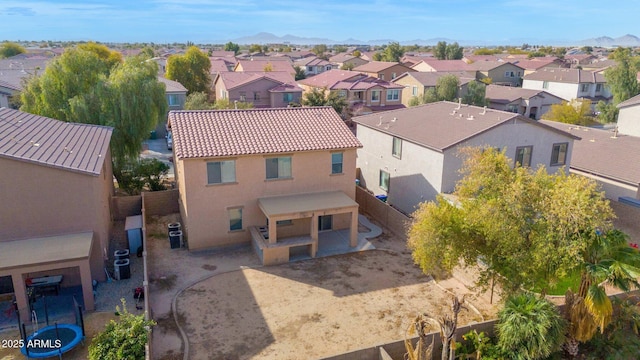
x=204, y=21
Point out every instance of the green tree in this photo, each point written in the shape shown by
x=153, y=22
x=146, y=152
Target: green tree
x=255, y=48
x=190, y=69
x=148, y=52
x=392, y=53
x=357, y=53
x=321, y=97
x=587, y=49
x=222, y=104
x=339, y=49
x=198, y=101
x=524, y=226
x=530, y=327
x=9, y=49
x=319, y=50
x=476, y=94
x=122, y=339
x=347, y=66
x=622, y=78
x=299, y=73
x=232, y=47
x=447, y=87
x=440, y=51
x=110, y=57
x=577, y=112
x=608, y=112
x=444, y=51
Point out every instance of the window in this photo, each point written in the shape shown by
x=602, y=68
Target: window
x=584, y=87
x=284, y=222
x=256, y=96
x=173, y=100
x=414, y=91
x=336, y=163
x=396, y=150
x=309, y=68
x=235, y=219
x=506, y=74
x=243, y=96
x=384, y=180
x=519, y=73
x=393, y=95
x=523, y=156
x=393, y=76
x=559, y=154
x=375, y=95
x=287, y=97
x=381, y=76
x=545, y=84
x=221, y=172
x=598, y=87
x=342, y=93
x=278, y=168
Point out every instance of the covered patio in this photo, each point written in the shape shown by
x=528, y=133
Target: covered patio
x=315, y=213
x=21, y=259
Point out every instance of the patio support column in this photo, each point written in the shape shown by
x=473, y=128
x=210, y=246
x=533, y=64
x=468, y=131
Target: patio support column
x=87, y=286
x=353, y=234
x=273, y=231
x=314, y=235
x=20, y=292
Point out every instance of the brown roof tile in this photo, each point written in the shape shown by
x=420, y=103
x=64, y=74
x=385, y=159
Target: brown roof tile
x=563, y=75
x=602, y=154
x=215, y=133
x=507, y=94
x=41, y=140
x=171, y=85
x=430, y=79
x=277, y=64
x=234, y=79
x=630, y=102
x=447, y=65
x=377, y=66
x=440, y=125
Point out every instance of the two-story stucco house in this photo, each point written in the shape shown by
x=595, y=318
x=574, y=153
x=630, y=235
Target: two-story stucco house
x=383, y=70
x=345, y=59
x=364, y=94
x=417, y=83
x=56, y=185
x=629, y=116
x=262, y=89
x=412, y=154
x=529, y=103
x=273, y=177
x=176, y=97
x=500, y=72
x=569, y=84
x=313, y=65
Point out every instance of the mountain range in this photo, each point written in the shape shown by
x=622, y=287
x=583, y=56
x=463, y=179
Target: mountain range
x=268, y=38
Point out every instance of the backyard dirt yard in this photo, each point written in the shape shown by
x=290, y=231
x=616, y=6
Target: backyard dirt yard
x=314, y=308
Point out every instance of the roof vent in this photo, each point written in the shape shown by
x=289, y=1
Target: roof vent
x=484, y=111
x=453, y=112
x=470, y=117
x=33, y=143
x=396, y=119
x=459, y=103
x=460, y=115
x=380, y=122
x=615, y=133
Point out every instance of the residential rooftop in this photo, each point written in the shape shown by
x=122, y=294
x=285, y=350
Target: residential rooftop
x=216, y=133
x=563, y=75
x=171, y=85
x=507, y=94
x=49, y=142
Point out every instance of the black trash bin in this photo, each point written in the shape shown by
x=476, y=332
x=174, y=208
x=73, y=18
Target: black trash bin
x=174, y=227
x=175, y=238
x=122, y=269
x=121, y=254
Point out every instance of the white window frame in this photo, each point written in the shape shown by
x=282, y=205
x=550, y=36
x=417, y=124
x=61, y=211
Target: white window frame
x=393, y=95
x=284, y=168
x=375, y=98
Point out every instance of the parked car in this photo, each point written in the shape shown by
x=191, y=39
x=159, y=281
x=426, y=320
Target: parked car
x=169, y=141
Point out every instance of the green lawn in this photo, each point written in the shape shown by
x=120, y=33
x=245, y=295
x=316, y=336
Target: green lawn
x=572, y=281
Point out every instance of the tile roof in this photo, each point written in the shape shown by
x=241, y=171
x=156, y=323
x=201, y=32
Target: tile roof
x=286, y=88
x=234, y=79
x=329, y=78
x=430, y=79
x=490, y=65
x=630, y=102
x=9, y=85
x=377, y=66
x=311, y=61
x=446, y=65
x=563, y=75
x=215, y=133
x=12, y=71
x=341, y=58
x=441, y=125
x=507, y=94
x=220, y=65
x=171, y=85
x=535, y=63
x=602, y=154
x=45, y=141
x=277, y=64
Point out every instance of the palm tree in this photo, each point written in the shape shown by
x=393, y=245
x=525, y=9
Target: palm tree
x=530, y=327
x=607, y=260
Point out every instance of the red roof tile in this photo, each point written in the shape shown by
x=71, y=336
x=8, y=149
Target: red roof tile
x=45, y=141
x=215, y=133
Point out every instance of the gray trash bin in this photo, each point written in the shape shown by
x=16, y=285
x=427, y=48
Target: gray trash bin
x=122, y=269
x=175, y=239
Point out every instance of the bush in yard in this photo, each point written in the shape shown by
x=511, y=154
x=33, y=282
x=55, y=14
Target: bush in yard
x=122, y=339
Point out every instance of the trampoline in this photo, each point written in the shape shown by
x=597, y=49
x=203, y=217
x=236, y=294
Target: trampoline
x=52, y=340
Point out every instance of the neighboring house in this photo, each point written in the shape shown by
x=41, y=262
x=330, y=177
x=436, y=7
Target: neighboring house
x=341, y=60
x=500, y=72
x=610, y=159
x=273, y=177
x=569, y=84
x=265, y=64
x=536, y=64
x=221, y=54
x=529, y=103
x=629, y=116
x=57, y=184
x=412, y=154
x=176, y=97
x=313, y=65
x=412, y=59
x=579, y=59
x=364, y=94
x=262, y=89
x=14, y=70
x=417, y=83
x=433, y=64
x=7, y=91
x=383, y=70
x=470, y=58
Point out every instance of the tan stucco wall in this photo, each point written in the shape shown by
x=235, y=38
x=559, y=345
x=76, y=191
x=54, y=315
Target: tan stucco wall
x=205, y=207
x=629, y=120
x=49, y=201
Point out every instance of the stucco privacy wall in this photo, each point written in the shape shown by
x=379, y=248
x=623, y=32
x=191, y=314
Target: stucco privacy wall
x=389, y=217
x=311, y=172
